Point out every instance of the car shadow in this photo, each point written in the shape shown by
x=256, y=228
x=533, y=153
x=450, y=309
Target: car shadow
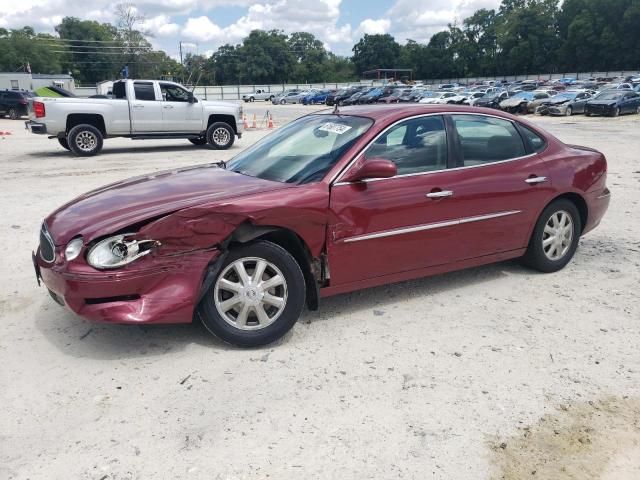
x=80, y=338
x=77, y=337
x=377, y=298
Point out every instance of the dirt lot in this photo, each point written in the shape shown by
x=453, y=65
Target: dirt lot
x=495, y=372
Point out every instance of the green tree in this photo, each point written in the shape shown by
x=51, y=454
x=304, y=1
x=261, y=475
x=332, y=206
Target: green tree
x=376, y=51
x=309, y=55
x=93, y=54
x=22, y=47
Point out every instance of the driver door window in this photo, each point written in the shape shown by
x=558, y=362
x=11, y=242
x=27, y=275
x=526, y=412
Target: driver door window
x=178, y=114
x=415, y=146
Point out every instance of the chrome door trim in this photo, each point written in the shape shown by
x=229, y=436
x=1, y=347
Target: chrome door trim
x=429, y=226
x=335, y=181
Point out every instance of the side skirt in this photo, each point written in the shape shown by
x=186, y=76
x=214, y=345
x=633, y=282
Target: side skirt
x=421, y=272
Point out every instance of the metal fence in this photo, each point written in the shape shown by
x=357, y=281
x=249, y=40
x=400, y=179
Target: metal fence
x=235, y=92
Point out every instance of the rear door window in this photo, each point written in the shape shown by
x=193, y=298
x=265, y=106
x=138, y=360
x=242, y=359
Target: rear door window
x=144, y=91
x=483, y=140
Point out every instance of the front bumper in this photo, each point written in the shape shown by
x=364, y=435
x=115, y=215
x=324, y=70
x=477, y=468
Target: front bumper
x=162, y=290
x=35, y=127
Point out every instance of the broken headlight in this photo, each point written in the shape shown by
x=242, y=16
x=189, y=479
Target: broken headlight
x=117, y=251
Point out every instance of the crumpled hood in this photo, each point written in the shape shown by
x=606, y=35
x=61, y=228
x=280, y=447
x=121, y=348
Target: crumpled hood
x=119, y=205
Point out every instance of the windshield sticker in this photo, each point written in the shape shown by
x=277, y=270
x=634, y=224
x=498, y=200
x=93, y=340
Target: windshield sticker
x=335, y=128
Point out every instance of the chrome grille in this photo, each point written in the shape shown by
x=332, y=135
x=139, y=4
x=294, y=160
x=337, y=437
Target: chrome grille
x=47, y=248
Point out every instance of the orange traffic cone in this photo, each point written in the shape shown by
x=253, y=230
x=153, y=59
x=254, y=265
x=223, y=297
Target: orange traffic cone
x=270, y=124
x=245, y=124
x=254, y=124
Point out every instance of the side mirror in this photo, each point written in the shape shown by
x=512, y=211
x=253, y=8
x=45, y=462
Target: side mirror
x=372, y=168
x=191, y=98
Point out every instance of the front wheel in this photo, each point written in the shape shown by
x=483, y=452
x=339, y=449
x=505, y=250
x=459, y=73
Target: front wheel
x=283, y=101
x=13, y=114
x=568, y=112
x=555, y=237
x=220, y=136
x=257, y=296
x=616, y=112
x=85, y=140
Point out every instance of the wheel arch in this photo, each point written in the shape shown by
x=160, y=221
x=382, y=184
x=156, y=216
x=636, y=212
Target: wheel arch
x=283, y=237
x=228, y=119
x=580, y=203
x=93, y=119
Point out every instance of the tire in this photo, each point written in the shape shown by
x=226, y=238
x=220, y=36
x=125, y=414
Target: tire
x=198, y=141
x=270, y=99
x=568, y=112
x=63, y=143
x=283, y=101
x=221, y=319
x=13, y=114
x=85, y=140
x=220, y=136
x=556, y=254
x=587, y=113
x=251, y=99
x=616, y=112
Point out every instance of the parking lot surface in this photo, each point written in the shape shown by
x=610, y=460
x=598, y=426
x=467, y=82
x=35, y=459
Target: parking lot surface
x=494, y=372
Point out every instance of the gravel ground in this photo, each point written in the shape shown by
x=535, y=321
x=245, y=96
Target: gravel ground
x=494, y=372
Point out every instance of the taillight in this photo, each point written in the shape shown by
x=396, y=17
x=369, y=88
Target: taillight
x=38, y=109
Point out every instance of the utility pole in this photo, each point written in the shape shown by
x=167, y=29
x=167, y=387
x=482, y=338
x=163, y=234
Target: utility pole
x=181, y=53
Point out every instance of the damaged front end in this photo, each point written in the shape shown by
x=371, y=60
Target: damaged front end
x=146, y=273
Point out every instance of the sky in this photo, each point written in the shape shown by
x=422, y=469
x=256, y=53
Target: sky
x=203, y=25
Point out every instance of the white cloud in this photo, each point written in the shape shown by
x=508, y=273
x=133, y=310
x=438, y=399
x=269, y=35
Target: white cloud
x=374, y=27
x=201, y=29
x=160, y=26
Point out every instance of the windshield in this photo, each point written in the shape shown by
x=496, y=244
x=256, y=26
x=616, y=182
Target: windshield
x=303, y=151
x=565, y=96
x=525, y=95
x=609, y=96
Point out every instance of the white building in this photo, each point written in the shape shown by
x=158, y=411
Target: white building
x=28, y=81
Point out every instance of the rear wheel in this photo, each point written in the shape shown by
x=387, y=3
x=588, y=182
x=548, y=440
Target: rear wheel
x=13, y=113
x=283, y=101
x=555, y=237
x=63, y=143
x=220, y=136
x=85, y=140
x=257, y=296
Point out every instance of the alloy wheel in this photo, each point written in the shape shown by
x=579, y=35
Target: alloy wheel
x=13, y=114
x=86, y=141
x=250, y=293
x=220, y=136
x=557, y=235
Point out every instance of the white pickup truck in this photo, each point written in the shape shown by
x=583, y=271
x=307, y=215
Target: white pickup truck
x=139, y=109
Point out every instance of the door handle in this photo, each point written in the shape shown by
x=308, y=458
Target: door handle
x=137, y=105
x=440, y=194
x=168, y=106
x=535, y=180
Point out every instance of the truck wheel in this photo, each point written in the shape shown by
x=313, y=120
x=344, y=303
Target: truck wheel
x=85, y=140
x=13, y=114
x=63, y=143
x=220, y=136
x=198, y=141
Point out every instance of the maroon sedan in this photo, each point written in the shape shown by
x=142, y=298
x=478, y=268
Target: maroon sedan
x=331, y=203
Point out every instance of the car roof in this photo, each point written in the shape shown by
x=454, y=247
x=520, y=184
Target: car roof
x=392, y=112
